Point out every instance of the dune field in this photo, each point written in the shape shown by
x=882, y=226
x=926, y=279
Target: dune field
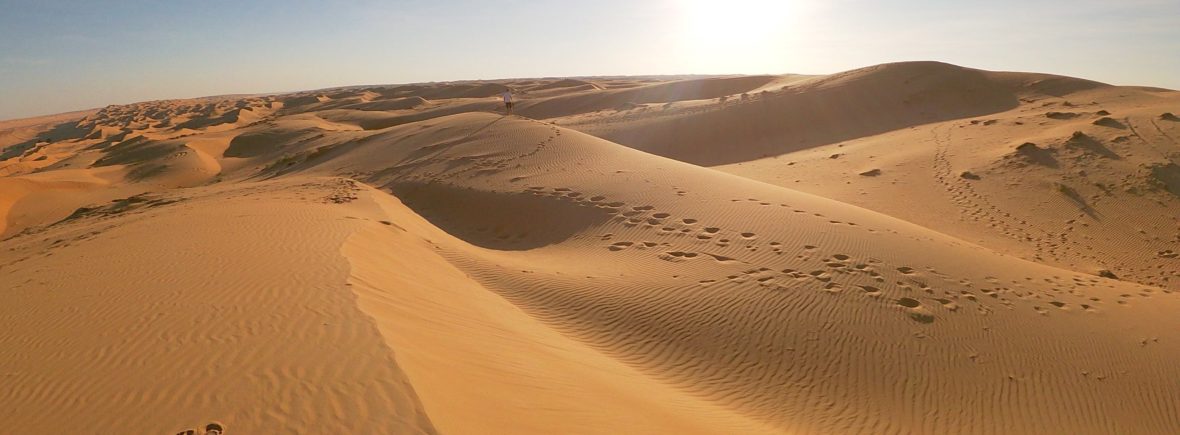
x=907, y=248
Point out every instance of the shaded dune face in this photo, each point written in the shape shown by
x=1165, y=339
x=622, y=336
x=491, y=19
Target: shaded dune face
x=822, y=111
x=501, y=221
x=264, y=142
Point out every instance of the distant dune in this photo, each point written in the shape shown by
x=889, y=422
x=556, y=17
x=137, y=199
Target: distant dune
x=913, y=247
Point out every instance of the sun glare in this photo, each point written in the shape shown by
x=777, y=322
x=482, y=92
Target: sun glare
x=726, y=31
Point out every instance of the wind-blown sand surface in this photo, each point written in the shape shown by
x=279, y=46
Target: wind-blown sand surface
x=905, y=248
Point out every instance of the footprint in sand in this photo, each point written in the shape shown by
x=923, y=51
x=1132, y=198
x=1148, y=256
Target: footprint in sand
x=820, y=275
x=619, y=246
x=722, y=258
x=917, y=312
x=950, y=305
x=210, y=429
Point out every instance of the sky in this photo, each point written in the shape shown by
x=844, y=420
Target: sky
x=64, y=55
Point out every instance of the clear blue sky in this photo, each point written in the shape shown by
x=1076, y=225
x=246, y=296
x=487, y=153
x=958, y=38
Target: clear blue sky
x=61, y=55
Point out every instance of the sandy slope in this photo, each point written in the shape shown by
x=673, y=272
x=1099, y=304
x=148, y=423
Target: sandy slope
x=398, y=260
x=1096, y=188
x=1098, y=192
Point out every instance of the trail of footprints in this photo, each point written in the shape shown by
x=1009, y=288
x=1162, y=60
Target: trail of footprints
x=490, y=165
x=976, y=207
x=921, y=294
x=973, y=205
x=1047, y=244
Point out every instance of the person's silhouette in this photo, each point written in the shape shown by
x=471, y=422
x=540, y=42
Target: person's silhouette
x=507, y=96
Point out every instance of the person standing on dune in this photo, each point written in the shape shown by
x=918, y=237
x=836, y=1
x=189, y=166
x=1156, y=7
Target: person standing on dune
x=507, y=95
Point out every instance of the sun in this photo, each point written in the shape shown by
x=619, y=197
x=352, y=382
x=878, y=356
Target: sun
x=737, y=36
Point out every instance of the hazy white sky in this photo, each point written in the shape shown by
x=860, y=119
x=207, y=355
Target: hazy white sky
x=61, y=55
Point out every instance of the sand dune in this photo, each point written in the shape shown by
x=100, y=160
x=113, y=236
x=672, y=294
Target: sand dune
x=662, y=93
x=904, y=248
x=809, y=112
x=1063, y=191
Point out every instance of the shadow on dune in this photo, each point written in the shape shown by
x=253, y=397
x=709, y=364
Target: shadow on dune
x=1059, y=86
x=262, y=142
x=1168, y=176
x=210, y=120
x=1090, y=145
x=134, y=151
x=398, y=119
x=829, y=110
x=1029, y=152
x=64, y=131
x=19, y=149
x=389, y=104
x=1079, y=200
x=498, y=220
x=1106, y=121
